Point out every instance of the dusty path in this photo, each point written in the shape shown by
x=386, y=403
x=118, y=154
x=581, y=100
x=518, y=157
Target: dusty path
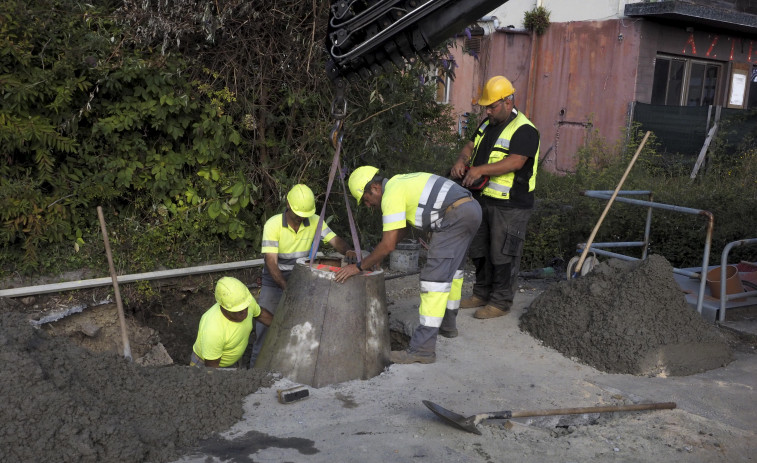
x=64, y=403
x=493, y=366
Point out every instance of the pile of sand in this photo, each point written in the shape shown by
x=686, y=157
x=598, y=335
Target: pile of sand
x=62, y=402
x=627, y=317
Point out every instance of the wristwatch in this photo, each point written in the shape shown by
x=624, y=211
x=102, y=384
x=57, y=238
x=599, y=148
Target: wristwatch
x=359, y=267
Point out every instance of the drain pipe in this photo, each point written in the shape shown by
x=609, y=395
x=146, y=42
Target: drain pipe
x=95, y=282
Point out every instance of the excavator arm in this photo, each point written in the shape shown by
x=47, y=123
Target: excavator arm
x=369, y=37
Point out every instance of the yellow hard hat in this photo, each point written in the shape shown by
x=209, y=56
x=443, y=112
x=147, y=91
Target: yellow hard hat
x=232, y=294
x=359, y=179
x=301, y=200
x=496, y=89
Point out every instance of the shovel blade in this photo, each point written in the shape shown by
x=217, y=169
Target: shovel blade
x=459, y=421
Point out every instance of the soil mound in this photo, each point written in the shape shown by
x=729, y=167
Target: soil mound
x=627, y=317
x=62, y=402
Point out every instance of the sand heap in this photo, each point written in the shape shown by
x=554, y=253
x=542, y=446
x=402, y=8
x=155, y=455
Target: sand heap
x=627, y=317
x=64, y=403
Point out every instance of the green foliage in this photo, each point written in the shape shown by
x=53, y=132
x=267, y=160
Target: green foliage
x=86, y=121
x=563, y=217
x=537, y=20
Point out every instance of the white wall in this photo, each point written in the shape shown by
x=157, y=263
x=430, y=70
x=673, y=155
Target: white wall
x=511, y=13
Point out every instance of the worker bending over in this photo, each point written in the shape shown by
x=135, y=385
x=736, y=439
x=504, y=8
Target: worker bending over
x=287, y=237
x=225, y=328
x=430, y=203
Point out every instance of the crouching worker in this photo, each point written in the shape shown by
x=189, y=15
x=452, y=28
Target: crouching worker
x=225, y=328
x=430, y=203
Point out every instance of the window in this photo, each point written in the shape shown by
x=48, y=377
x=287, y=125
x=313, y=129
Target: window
x=685, y=82
x=443, y=83
x=752, y=98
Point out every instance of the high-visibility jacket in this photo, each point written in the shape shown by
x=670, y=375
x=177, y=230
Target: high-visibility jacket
x=219, y=337
x=280, y=238
x=418, y=199
x=499, y=186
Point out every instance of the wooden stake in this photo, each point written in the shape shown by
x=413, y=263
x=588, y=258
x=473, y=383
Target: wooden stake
x=119, y=305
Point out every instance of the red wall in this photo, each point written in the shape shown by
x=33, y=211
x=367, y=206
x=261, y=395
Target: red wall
x=584, y=82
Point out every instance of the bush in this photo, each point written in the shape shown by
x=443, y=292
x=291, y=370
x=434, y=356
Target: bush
x=563, y=217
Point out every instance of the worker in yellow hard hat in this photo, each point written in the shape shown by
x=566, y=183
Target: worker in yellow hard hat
x=431, y=203
x=506, y=149
x=287, y=237
x=225, y=328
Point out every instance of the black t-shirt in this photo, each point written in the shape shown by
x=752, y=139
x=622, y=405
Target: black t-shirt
x=525, y=141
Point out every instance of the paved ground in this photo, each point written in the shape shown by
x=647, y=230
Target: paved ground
x=494, y=366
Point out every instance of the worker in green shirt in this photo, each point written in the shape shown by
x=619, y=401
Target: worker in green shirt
x=225, y=328
x=287, y=237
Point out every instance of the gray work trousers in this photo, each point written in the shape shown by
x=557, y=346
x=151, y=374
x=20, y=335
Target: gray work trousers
x=268, y=299
x=445, y=260
x=496, y=251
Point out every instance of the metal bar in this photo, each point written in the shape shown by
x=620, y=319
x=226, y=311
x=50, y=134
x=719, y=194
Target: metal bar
x=95, y=282
x=723, y=265
x=651, y=204
x=679, y=271
x=639, y=202
x=617, y=244
x=647, y=230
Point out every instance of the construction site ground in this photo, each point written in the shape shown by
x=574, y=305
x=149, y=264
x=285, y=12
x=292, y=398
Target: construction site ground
x=491, y=366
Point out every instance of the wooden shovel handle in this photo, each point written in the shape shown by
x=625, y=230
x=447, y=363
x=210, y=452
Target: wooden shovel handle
x=607, y=207
x=581, y=410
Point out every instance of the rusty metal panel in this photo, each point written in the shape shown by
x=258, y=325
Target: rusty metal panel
x=585, y=74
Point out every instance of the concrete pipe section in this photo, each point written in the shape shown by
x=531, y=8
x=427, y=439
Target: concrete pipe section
x=326, y=332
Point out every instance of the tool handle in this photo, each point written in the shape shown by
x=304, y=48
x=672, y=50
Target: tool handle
x=581, y=410
x=607, y=207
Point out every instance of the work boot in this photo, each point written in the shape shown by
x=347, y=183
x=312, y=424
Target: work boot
x=448, y=333
x=472, y=302
x=412, y=356
x=489, y=311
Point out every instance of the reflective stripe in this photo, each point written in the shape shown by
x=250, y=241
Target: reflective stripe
x=293, y=255
x=431, y=201
x=453, y=304
x=435, y=287
x=503, y=142
x=285, y=268
x=459, y=274
x=270, y=244
x=434, y=322
x=325, y=231
x=393, y=218
x=498, y=187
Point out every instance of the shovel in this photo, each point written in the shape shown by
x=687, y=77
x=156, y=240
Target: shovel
x=469, y=424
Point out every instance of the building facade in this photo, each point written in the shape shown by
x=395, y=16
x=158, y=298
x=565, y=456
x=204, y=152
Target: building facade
x=599, y=61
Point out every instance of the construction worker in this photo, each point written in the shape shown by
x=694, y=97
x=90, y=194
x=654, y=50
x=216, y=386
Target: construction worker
x=506, y=149
x=286, y=238
x=430, y=203
x=225, y=328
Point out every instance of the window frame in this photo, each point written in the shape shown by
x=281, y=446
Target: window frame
x=688, y=64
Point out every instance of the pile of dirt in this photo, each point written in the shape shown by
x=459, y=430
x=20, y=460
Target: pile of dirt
x=62, y=402
x=627, y=317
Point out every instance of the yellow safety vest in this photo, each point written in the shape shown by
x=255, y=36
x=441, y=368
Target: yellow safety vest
x=499, y=186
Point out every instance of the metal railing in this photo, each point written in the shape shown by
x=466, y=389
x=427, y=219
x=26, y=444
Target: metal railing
x=723, y=267
x=650, y=204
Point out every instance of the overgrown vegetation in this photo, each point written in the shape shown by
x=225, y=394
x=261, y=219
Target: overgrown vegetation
x=728, y=189
x=189, y=121
x=537, y=20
